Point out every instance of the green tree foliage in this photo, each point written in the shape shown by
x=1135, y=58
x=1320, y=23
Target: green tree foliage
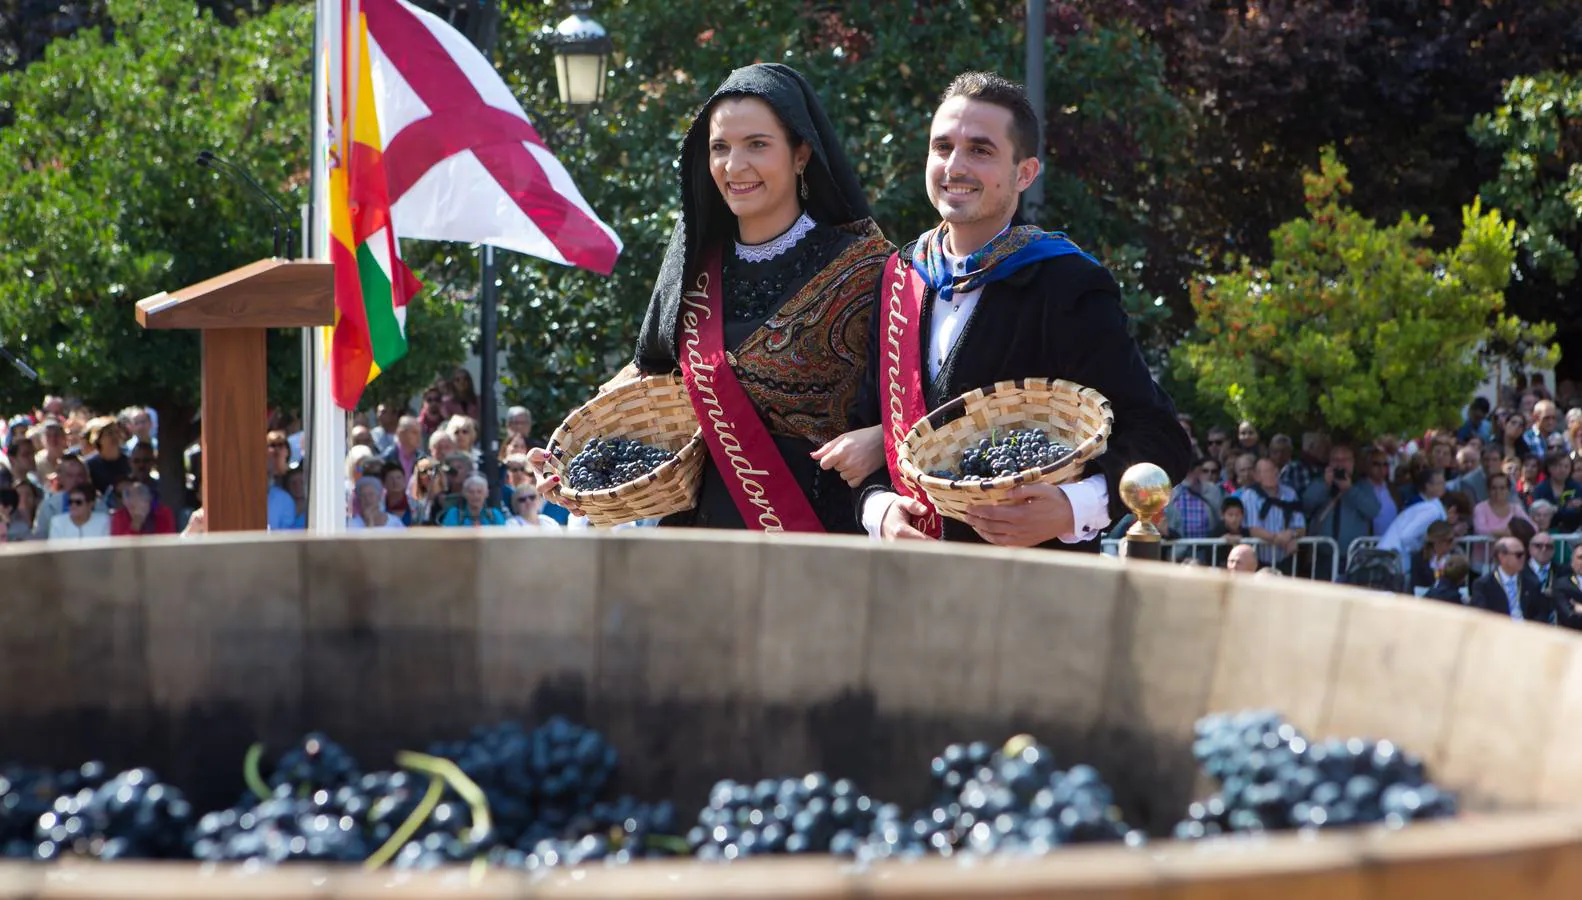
x=1537, y=132
x=103, y=205
x=1354, y=327
x=1116, y=126
x=1392, y=82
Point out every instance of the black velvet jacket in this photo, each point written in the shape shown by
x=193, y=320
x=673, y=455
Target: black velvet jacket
x=1059, y=318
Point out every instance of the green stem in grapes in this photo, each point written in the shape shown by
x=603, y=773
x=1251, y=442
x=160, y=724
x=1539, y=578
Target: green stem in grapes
x=425, y=808
x=255, y=781
x=464, y=787
x=669, y=843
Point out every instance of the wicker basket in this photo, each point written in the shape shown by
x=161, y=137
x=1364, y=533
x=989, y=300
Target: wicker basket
x=1071, y=413
x=655, y=410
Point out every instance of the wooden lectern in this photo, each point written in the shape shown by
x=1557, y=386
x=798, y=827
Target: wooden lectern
x=233, y=311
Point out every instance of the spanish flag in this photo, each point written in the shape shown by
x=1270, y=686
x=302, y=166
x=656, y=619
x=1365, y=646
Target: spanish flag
x=372, y=284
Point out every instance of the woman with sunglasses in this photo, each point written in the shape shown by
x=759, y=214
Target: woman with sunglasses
x=80, y=520
x=424, y=491
x=526, y=506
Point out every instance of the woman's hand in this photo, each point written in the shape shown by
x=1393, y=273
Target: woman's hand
x=547, y=482
x=855, y=454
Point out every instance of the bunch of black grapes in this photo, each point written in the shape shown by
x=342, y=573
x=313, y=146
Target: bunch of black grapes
x=810, y=814
x=1008, y=801
x=318, y=808
x=130, y=815
x=1019, y=450
x=1272, y=778
x=605, y=463
x=1011, y=801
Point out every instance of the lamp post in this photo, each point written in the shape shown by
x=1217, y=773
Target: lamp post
x=1033, y=197
x=582, y=54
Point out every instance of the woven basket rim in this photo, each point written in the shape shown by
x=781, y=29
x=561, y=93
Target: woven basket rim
x=1079, y=454
x=560, y=448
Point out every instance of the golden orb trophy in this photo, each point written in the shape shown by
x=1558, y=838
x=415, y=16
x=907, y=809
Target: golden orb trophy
x=1145, y=489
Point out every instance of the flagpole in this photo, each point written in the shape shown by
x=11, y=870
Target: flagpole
x=327, y=431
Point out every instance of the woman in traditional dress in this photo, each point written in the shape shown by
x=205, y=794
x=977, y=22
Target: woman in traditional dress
x=763, y=304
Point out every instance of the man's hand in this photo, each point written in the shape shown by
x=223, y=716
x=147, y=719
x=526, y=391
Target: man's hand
x=1038, y=513
x=548, y=484
x=897, y=521
x=855, y=454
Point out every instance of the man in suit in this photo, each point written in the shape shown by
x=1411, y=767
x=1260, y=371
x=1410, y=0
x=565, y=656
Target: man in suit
x=1506, y=591
x=982, y=299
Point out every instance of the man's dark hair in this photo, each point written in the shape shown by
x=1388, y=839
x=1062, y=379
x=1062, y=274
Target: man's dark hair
x=1231, y=502
x=1461, y=503
x=1481, y=404
x=1006, y=94
x=1423, y=476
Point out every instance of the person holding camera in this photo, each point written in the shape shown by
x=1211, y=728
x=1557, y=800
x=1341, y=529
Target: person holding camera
x=1341, y=506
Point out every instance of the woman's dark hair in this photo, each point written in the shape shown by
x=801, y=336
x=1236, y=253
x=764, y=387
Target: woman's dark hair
x=8, y=497
x=87, y=491
x=1502, y=477
x=1554, y=458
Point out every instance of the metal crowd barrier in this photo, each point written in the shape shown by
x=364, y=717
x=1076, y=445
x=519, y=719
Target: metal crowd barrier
x=1476, y=547
x=1211, y=552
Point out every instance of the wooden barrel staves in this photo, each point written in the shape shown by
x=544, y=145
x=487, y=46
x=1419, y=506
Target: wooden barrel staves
x=711, y=655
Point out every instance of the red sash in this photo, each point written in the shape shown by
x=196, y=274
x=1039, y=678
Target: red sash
x=901, y=398
x=760, y=483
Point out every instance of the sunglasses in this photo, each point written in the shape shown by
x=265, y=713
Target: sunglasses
x=516, y=469
x=1214, y=441
x=1519, y=554
x=1536, y=546
x=77, y=501
x=278, y=445
x=526, y=498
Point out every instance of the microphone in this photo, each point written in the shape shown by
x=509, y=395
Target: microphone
x=207, y=159
x=21, y=366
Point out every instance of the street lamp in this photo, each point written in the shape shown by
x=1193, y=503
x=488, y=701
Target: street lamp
x=582, y=51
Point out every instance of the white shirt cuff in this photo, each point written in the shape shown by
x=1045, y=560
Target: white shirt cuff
x=1090, y=508
x=874, y=509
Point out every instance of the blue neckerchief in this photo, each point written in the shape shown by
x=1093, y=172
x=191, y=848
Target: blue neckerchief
x=1011, y=249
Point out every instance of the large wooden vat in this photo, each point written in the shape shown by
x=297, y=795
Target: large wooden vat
x=714, y=655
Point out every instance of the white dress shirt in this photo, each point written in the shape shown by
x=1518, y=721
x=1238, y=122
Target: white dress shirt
x=62, y=527
x=1406, y=534
x=1090, y=497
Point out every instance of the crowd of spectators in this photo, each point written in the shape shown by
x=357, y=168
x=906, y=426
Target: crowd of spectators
x=69, y=472
x=1484, y=513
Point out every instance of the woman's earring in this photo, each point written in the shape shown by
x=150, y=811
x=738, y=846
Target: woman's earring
x=801, y=185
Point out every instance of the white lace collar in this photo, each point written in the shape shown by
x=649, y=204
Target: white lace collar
x=757, y=253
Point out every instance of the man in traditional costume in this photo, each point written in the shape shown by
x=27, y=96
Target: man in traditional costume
x=982, y=299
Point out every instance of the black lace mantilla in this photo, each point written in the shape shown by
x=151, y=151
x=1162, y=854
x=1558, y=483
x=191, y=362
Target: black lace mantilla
x=753, y=290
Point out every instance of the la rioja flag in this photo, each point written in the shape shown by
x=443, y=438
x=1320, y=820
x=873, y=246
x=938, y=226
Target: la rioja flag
x=429, y=143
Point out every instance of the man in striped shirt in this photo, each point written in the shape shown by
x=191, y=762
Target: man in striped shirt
x=1274, y=513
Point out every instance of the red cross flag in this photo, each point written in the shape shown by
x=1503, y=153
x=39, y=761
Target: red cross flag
x=427, y=142
x=462, y=161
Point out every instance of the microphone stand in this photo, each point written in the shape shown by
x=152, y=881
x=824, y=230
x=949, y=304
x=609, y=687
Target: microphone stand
x=208, y=160
x=26, y=370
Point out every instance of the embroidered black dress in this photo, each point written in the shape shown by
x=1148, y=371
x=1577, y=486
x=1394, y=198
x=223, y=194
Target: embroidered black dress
x=796, y=325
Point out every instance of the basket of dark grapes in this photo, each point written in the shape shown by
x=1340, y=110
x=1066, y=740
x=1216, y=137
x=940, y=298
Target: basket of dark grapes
x=633, y=452
x=975, y=449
